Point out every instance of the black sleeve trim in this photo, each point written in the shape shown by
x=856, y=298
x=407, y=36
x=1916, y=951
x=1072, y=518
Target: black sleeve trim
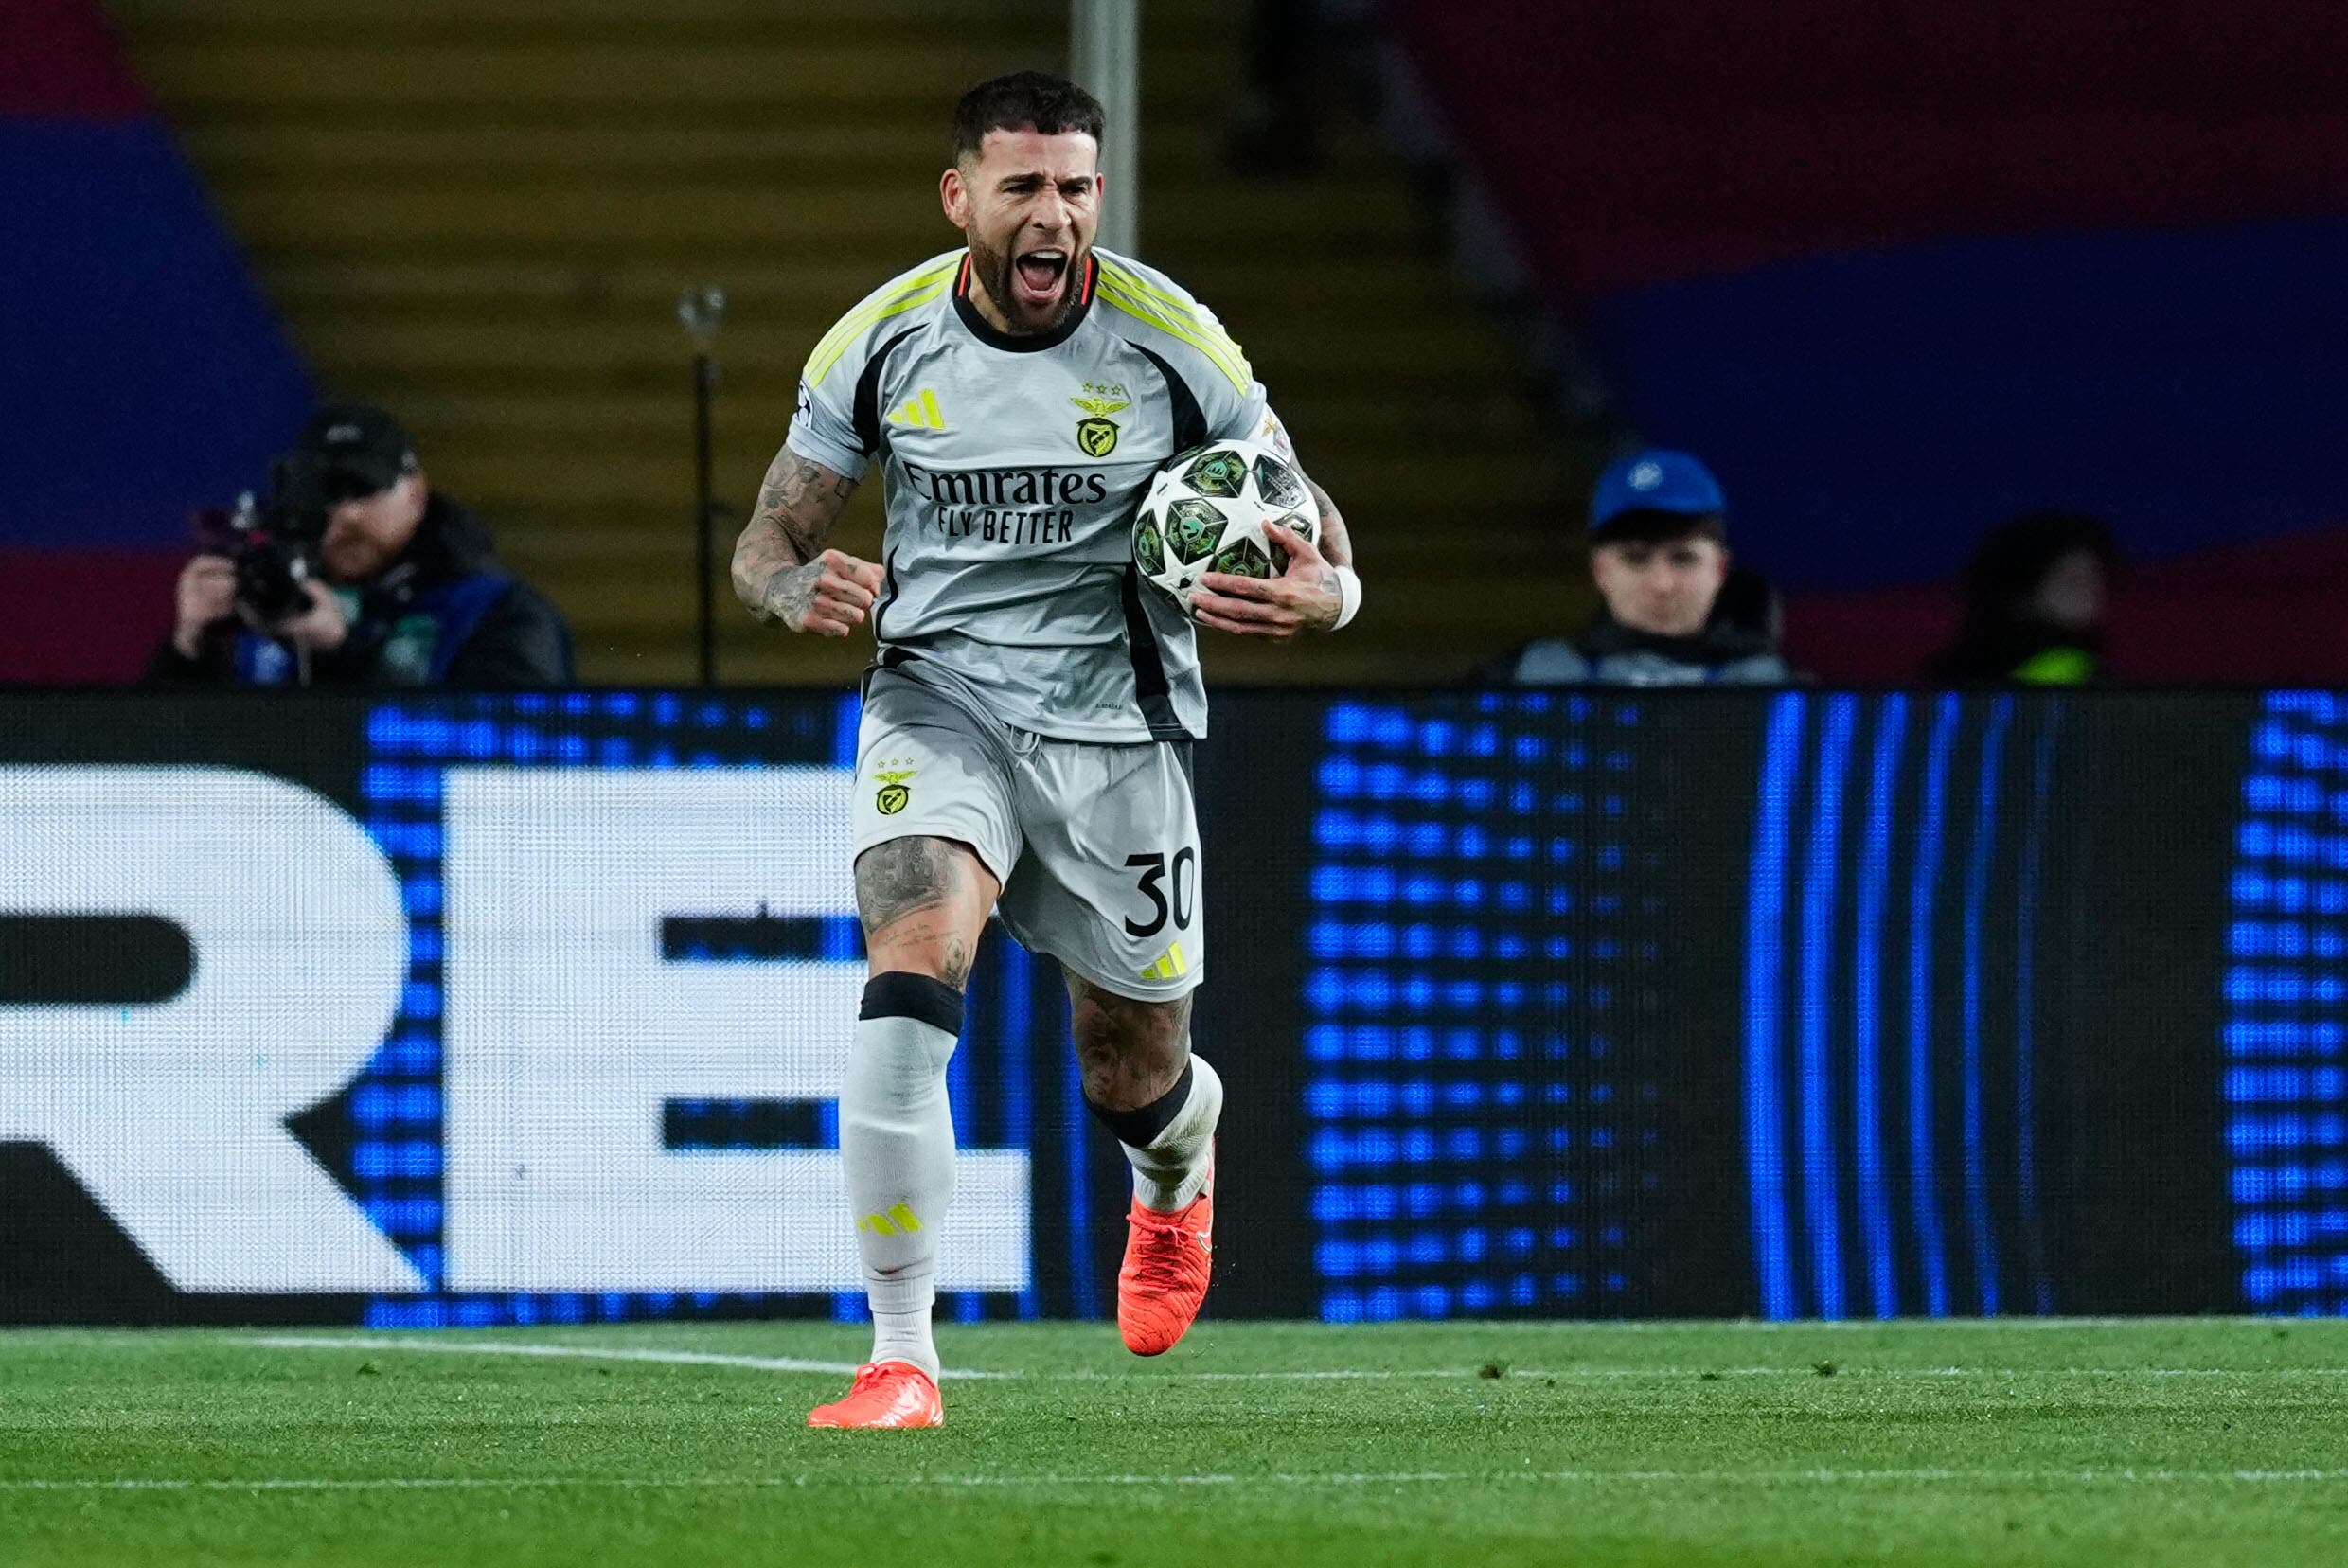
x=864, y=408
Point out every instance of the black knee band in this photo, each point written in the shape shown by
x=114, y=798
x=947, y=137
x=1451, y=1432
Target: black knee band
x=902, y=993
x=1140, y=1127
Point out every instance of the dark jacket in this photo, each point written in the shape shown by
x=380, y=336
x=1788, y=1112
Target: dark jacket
x=2019, y=653
x=445, y=613
x=1737, y=647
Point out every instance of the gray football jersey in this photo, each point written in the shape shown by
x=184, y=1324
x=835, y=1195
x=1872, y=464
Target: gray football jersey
x=1011, y=468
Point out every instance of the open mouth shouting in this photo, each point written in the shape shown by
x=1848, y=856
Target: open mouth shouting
x=1039, y=277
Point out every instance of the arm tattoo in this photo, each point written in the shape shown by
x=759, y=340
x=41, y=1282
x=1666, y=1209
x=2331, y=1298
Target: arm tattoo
x=1336, y=544
x=782, y=499
x=798, y=503
x=1336, y=549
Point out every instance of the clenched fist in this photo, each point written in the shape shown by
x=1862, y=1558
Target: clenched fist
x=829, y=596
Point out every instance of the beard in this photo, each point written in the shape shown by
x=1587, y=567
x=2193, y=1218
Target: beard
x=993, y=270
x=350, y=562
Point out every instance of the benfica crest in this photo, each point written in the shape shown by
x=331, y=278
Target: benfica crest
x=892, y=794
x=1097, y=437
x=1097, y=434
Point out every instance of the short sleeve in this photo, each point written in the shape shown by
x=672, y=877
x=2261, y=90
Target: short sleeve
x=823, y=429
x=1236, y=406
x=1252, y=420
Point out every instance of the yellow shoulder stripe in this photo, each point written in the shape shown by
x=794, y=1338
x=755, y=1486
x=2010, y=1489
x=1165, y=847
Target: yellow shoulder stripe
x=899, y=297
x=1172, y=302
x=1182, y=307
x=1180, y=321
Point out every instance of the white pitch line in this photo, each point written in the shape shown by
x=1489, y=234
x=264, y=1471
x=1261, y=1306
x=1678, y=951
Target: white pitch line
x=1050, y=1482
x=459, y=1346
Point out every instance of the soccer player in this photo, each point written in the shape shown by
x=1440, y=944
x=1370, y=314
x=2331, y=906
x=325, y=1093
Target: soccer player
x=1026, y=726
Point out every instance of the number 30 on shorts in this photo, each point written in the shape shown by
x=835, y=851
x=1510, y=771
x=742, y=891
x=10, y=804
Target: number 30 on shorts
x=1153, y=887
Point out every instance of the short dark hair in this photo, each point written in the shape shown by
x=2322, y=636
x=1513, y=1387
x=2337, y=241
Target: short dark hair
x=1024, y=101
x=1647, y=526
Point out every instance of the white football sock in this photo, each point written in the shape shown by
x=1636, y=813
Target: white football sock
x=904, y=1337
x=896, y=1144
x=1171, y=1169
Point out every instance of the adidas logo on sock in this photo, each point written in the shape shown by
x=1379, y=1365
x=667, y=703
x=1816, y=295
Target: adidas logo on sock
x=900, y=1220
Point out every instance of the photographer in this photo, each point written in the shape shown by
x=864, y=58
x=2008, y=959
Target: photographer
x=355, y=573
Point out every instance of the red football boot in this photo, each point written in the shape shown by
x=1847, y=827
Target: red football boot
x=885, y=1394
x=1167, y=1259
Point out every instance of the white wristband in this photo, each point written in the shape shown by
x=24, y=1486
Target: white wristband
x=1348, y=597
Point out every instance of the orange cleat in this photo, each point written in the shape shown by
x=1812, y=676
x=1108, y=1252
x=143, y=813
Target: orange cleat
x=1167, y=1259
x=885, y=1394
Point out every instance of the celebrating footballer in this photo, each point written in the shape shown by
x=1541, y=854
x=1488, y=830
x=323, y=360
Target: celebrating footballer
x=1027, y=721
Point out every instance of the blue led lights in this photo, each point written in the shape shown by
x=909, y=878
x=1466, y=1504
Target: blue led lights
x=2285, y=1036
x=1891, y=1006
x=1473, y=1136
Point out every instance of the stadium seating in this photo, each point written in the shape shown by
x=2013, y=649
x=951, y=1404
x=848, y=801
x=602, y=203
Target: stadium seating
x=483, y=219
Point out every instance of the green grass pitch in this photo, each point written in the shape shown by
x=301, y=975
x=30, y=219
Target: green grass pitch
x=2203, y=1443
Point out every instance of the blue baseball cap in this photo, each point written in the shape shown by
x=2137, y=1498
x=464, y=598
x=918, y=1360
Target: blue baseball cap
x=1655, y=480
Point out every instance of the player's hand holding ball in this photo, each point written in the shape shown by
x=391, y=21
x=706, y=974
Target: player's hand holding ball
x=1303, y=598
x=1210, y=528
x=829, y=596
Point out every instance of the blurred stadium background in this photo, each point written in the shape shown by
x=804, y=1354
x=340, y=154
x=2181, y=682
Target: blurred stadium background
x=1799, y=1004
x=1895, y=272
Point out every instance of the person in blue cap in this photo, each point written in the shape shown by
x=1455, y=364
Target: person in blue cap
x=1672, y=612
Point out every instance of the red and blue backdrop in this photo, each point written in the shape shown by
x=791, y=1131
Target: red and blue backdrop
x=1899, y=271
x=142, y=375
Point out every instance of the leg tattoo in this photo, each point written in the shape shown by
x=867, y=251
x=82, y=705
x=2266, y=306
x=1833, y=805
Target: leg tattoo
x=920, y=901
x=1130, y=1052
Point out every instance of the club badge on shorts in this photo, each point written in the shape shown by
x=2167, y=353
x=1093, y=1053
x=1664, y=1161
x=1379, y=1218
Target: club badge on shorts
x=894, y=794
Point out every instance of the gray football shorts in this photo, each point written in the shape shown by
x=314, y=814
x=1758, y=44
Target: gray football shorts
x=1097, y=846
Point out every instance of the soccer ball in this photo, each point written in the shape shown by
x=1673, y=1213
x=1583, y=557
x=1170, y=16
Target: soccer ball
x=1206, y=512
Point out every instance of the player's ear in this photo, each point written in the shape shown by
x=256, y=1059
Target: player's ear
x=954, y=196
